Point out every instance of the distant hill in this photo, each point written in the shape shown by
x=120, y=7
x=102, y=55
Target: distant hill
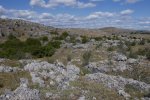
x=115, y=30
x=22, y=28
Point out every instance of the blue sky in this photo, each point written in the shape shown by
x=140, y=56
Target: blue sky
x=80, y=13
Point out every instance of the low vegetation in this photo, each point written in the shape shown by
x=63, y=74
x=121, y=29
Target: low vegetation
x=13, y=48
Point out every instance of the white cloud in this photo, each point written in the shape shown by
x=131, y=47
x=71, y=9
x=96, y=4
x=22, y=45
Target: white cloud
x=26, y=14
x=145, y=22
x=46, y=16
x=127, y=1
x=96, y=0
x=2, y=10
x=126, y=12
x=97, y=15
x=93, y=20
x=85, y=5
x=55, y=3
x=116, y=0
x=37, y=2
x=132, y=1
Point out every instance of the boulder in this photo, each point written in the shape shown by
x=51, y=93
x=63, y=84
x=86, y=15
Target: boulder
x=72, y=72
x=131, y=61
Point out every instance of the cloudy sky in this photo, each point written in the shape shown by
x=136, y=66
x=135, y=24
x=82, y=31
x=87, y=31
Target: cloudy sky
x=80, y=13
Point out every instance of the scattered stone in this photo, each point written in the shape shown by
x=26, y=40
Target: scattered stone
x=116, y=82
x=8, y=69
x=48, y=94
x=119, y=57
x=82, y=98
x=124, y=94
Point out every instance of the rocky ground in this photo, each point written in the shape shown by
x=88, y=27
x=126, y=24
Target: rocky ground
x=92, y=68
x=112, y=67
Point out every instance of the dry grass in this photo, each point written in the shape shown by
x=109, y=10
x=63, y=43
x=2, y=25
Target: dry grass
x=12, y=80
x=96, y=90
x=12, y=63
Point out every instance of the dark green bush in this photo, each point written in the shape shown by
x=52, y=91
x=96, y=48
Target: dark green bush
x=111, y=49
x=148, y=40
x=13, y=48
x=130, y=43
x=54, y=32
x=98, y=38
x=84, y=39
x=133, y=43
x=65, y=34
x=62, y=36
x=44, y=38
x=115, y=37
x=43, y=52
x=33, y=42
x=148, y=55
x=10, y=37
x=55, y=44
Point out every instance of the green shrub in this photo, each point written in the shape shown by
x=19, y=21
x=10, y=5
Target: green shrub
x=61, y=37
x=148, y=55
x=55, y=44
x=72, y=39
x=98, y=38
x=86, y=58
x=13, y=48
x=110, y=49
x=49, y=50
x=64, y=35
x=133, y=43
x=33, y=42
x=115, y=37
x=84, y=39
x=44, y=38
x=10, y=37
x=54, y=32
x=130, y=43
x=148, y=40
x=84, y=71
x=132, y=54
x=142, y=42
x=46, y=51
x=144, y=52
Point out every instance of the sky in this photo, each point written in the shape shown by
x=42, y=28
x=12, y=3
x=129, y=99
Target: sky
x=134, y=14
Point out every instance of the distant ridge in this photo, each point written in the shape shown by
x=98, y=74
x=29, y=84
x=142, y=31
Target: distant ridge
x=20, y=28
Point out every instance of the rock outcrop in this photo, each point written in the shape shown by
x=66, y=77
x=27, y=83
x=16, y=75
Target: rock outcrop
x=57, y=73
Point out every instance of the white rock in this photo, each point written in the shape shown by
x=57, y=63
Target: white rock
x=124, y=94
x=82, y=98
